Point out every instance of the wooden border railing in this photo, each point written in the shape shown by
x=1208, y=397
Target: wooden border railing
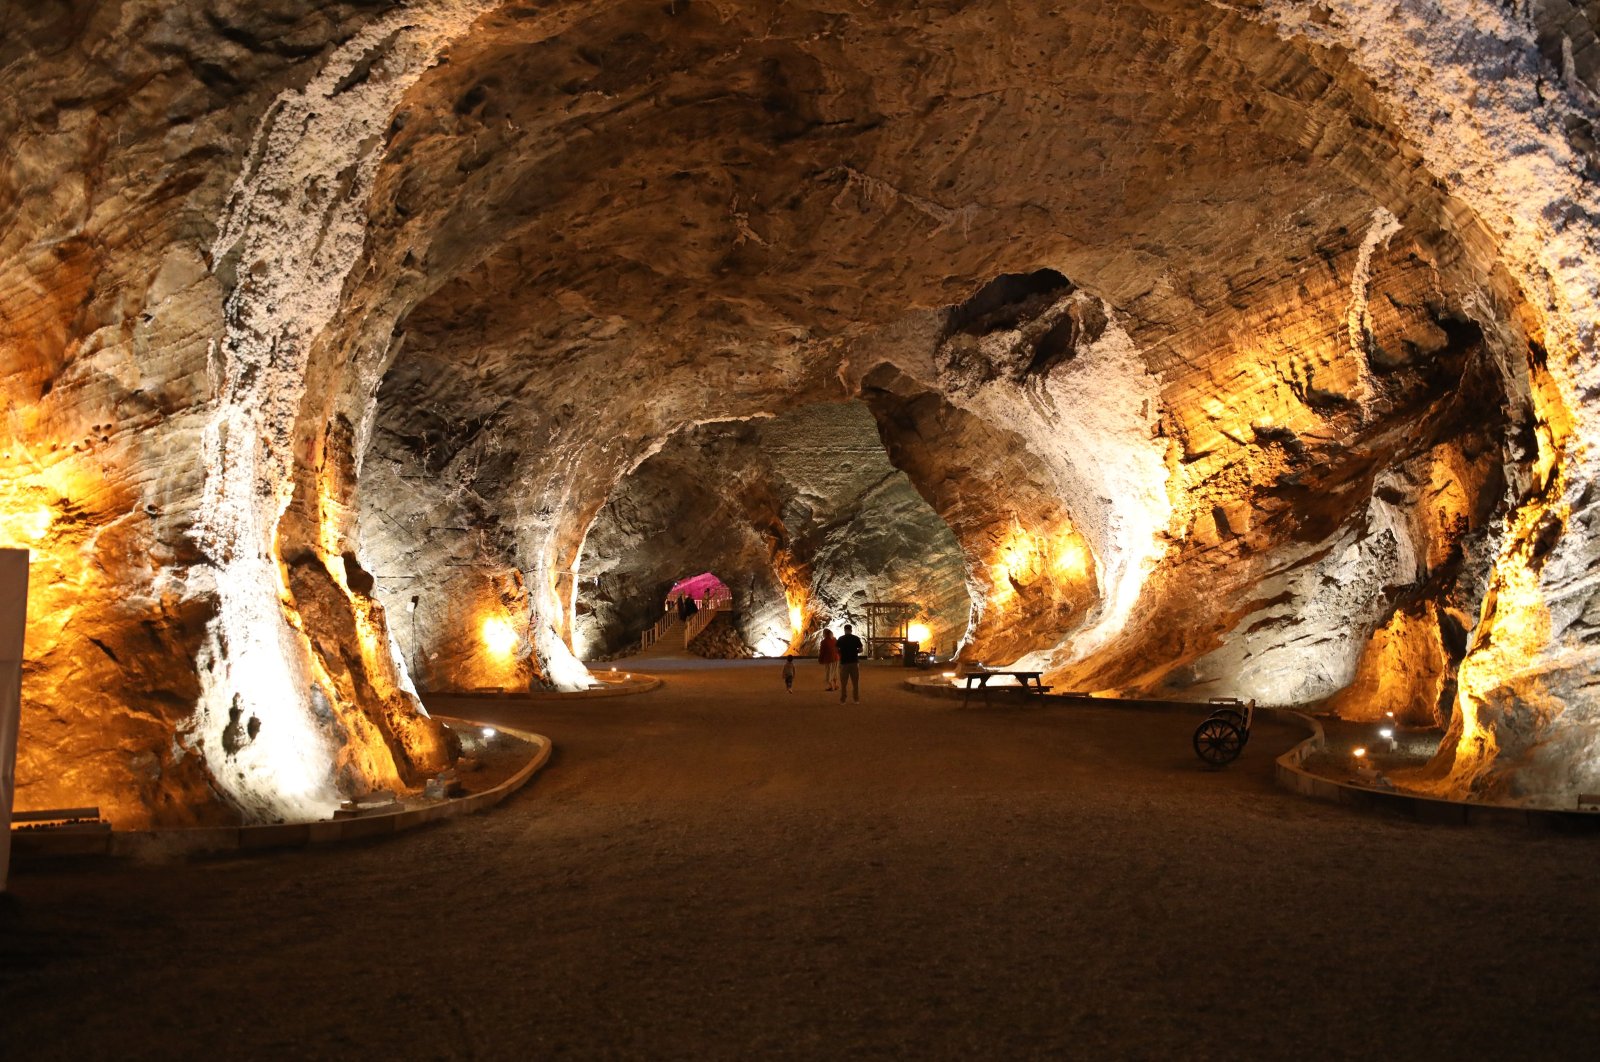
x=719, y=602
x=697, y=623
x=663, y=625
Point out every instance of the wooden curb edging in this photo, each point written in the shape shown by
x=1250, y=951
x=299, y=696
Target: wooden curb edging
x=648, y=683
x=1434, y=810
x=160, y=845
x=1012, y=696
x=1290, y=775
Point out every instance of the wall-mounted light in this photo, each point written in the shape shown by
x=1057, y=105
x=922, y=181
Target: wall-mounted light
x=1072, y=559
x=499, y=637
x=27, y=525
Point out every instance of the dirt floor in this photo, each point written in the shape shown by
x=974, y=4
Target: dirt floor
x=717, y=870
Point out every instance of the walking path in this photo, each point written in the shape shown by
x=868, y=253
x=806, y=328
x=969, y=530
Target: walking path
x=719, y=870
x=669, y=645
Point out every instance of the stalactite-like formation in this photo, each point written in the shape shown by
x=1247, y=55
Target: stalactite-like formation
x=1210, y=348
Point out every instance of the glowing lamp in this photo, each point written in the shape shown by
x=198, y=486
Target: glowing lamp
x=488, y=732
x=499, y=637
x=36, y=524
x=1072, y=560
x=918, y=632
x=1386, y=733
x=29, y=525
x=1358, y=753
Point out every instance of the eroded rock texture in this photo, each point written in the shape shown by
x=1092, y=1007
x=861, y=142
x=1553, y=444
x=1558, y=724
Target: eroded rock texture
x=1238, y=347
x=803, y=517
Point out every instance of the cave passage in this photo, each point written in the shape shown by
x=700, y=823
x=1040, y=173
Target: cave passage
x=719, y=869
x=366, y=364
x=801, y=513
x=700, y=588
x=1171, y=348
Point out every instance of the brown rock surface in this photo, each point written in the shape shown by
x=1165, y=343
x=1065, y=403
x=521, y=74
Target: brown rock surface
x=802, y=509
x=720, y=870
x=1219, y=336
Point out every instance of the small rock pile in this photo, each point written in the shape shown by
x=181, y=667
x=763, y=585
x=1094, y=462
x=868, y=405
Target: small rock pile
x=720, y=641
x=630, y=649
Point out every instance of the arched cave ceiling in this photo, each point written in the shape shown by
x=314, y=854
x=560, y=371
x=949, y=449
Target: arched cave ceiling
x=1243, y=348
x=812, y=499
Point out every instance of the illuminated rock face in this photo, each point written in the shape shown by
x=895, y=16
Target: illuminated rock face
x=801, y=510
x=1240, y=348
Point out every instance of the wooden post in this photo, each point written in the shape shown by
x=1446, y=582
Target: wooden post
x=13, y=619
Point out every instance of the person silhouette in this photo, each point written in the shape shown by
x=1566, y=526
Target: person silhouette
x=828, y=657
x=849, y=664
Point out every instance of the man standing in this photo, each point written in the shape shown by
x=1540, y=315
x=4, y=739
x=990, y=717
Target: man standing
x=849, y=664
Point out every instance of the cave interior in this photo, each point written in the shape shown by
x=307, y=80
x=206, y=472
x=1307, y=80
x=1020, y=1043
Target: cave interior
x=359, y=350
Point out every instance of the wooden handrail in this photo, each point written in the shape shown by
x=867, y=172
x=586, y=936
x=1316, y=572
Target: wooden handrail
x=702, y=619
x=662, y=626
x=692, y=627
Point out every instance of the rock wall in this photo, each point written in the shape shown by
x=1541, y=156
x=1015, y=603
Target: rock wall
x=1240, y=347
x=801, y=514
x=128, y=126
x=720, y=641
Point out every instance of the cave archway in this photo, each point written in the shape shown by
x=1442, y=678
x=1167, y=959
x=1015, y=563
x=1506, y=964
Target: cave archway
x=800, y=512
x=705, y=589
x=609, y=223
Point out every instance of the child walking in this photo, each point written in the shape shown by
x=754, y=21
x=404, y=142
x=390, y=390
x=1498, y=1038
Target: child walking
x=788, y=673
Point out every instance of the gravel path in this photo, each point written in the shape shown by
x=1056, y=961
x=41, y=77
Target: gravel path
x=717, y=870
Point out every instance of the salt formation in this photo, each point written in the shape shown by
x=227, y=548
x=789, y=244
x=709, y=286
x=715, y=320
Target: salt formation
x=806, y=519
x=1384, y=225
x=1092, y=423
x=1495, y=102
x=291, y=237
x=1237, y=348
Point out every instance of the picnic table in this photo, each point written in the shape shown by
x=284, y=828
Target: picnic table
x=980, y=678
